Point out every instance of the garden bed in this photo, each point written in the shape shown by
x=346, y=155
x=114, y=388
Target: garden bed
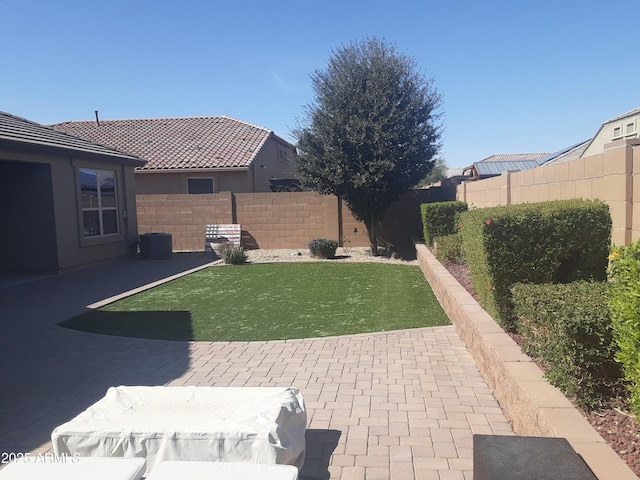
x=612, y=420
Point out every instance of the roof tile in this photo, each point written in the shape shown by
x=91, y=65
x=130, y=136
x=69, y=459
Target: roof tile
x=177, y=143
x=15, y=129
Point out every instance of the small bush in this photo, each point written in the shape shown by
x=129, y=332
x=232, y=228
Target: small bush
x=448, y=249
x=568, y=327
x=323, y=248
x=234, y=255
x=547, y=242
x=624, y=302
x=439, y=219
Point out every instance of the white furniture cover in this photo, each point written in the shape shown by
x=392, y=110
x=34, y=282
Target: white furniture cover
x=35, y=468
x=264, y=425
x=222, y=471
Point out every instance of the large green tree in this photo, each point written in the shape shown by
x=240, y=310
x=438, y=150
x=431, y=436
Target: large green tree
x=372, y=131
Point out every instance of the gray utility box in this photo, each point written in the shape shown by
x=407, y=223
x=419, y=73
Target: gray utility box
x=155, y=246
x=503, y=457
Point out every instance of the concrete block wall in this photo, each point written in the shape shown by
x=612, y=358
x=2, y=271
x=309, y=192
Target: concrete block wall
x=612, y=177
x=286, y=220
x=276, y=220
x=269, y=220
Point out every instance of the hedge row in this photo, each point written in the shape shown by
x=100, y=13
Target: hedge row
x=624, y=303
x=439, y=219
x=549, y=242
x=568, y=327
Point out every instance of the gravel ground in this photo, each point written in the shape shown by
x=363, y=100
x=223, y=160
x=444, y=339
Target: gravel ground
x=352, y=254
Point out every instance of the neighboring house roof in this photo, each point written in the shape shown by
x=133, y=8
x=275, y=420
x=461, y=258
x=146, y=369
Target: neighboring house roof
x=486, y=169
x=514, y=157
x=20, y=132
x=566, y=154
x=179, y=143
x=496, y=164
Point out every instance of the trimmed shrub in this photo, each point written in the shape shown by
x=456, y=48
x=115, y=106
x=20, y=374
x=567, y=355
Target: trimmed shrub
x=568, y=328
x=439, y=219
x=234, y=255
x=323, y=248
x=624, y=302
x=549, y=242
x=448, y=249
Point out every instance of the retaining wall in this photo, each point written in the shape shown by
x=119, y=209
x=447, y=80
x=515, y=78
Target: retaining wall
x=533, y=406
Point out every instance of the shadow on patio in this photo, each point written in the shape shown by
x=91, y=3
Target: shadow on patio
x=50, y=374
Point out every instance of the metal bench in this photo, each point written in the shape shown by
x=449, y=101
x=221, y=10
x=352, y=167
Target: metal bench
x=220, y=236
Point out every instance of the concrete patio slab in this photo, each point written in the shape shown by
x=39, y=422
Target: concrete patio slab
x=400, y=405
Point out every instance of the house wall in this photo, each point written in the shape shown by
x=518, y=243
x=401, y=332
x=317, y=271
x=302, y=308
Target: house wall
x=277, y=220
x=272, y=162
x=176, y=182
x=612, y=176
x=46, y=233
x=628, y=130
x=29, y=240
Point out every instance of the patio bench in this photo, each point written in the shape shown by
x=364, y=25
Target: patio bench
x=220, y=236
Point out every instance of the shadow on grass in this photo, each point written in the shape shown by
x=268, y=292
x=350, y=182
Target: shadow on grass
x=160, y=325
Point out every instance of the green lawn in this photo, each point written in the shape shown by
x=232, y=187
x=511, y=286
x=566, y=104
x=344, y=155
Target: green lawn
x=273, y=301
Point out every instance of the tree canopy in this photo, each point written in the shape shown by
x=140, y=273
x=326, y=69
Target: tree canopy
x=371, y=132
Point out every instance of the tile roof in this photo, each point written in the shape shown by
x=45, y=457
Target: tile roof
x=178, y=143
x=20, y=131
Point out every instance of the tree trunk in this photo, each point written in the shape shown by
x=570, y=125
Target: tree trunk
x=373, y=234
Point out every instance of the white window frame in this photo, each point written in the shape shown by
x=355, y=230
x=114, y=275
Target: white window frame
x=634, y=128
x=98, y=203
x=619, y=135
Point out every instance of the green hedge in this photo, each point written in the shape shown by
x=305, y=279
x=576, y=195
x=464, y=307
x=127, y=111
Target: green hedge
x=439, y=219
x=448, y=249
x=549, y=242
x=624, y=303
x=568, y=327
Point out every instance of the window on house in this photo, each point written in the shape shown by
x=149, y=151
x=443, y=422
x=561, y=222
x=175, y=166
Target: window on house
x=630, y=128
x=200, y=185
x=99, y=202
x=617, y=132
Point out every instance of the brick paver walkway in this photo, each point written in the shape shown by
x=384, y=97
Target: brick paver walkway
x=400, y=405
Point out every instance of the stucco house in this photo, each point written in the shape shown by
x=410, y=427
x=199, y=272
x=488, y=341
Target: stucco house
x=618, y=131
x=64, y=202
x=195, y=154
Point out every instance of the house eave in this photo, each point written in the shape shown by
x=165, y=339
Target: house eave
x=192, y=170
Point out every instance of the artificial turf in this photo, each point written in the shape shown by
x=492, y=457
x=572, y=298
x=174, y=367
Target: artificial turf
x=273, y=301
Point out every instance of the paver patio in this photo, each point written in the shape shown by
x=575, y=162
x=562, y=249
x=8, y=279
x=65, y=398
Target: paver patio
x=400, y=405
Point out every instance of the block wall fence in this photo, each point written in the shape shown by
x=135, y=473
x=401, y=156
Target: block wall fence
x=612, y=177
x=276, y=220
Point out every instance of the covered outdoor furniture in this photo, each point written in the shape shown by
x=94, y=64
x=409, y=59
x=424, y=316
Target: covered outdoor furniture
x=222, y=471
x=262, y=425
x=36, y=467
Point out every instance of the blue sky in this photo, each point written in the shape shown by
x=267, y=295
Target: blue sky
x=516, y=76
